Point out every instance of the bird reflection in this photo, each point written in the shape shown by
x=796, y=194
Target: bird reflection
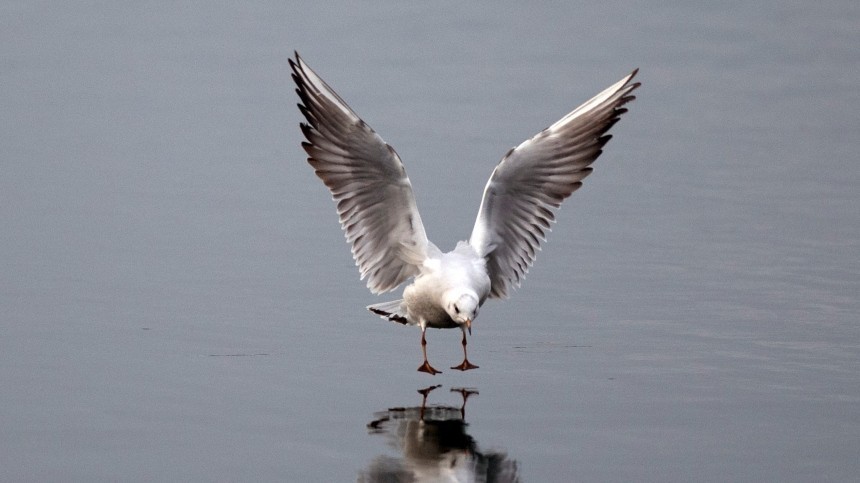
x=434, y=446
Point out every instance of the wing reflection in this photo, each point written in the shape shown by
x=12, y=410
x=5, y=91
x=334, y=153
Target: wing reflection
x=434, y=446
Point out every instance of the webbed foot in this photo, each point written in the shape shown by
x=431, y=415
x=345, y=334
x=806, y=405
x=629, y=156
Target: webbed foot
x=426, y=367
x=465, y=366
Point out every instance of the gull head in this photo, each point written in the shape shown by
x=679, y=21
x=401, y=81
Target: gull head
x=462, y=307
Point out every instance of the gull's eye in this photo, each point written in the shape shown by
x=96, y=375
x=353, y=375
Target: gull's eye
x=456, y=309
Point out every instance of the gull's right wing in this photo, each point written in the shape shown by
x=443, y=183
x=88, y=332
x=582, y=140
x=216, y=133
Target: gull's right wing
x=374, y=196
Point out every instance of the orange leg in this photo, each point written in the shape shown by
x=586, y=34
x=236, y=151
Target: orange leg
x=426, y=367
x=465, y=365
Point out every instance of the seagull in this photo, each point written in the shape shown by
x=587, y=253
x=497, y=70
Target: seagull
x=380, y=219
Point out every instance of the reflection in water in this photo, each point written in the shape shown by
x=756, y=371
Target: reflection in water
x=434, y=446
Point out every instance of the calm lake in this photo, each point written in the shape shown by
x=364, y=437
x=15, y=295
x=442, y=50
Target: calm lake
x=178, y=303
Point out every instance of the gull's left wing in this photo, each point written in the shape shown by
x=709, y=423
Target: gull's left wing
x=533, y=179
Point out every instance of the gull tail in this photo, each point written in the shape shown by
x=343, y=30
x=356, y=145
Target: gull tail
x=393, y=311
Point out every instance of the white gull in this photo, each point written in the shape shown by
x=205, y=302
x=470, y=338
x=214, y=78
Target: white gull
x=380, y=218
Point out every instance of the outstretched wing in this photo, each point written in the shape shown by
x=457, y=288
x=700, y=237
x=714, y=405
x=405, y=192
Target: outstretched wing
x=533, y=179
x=374, y=196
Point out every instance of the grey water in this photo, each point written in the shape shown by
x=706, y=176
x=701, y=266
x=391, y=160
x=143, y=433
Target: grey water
x=177, y=301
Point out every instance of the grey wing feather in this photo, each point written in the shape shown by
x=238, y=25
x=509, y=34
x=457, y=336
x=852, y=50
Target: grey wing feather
x=532, y=180
x=366, y=178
